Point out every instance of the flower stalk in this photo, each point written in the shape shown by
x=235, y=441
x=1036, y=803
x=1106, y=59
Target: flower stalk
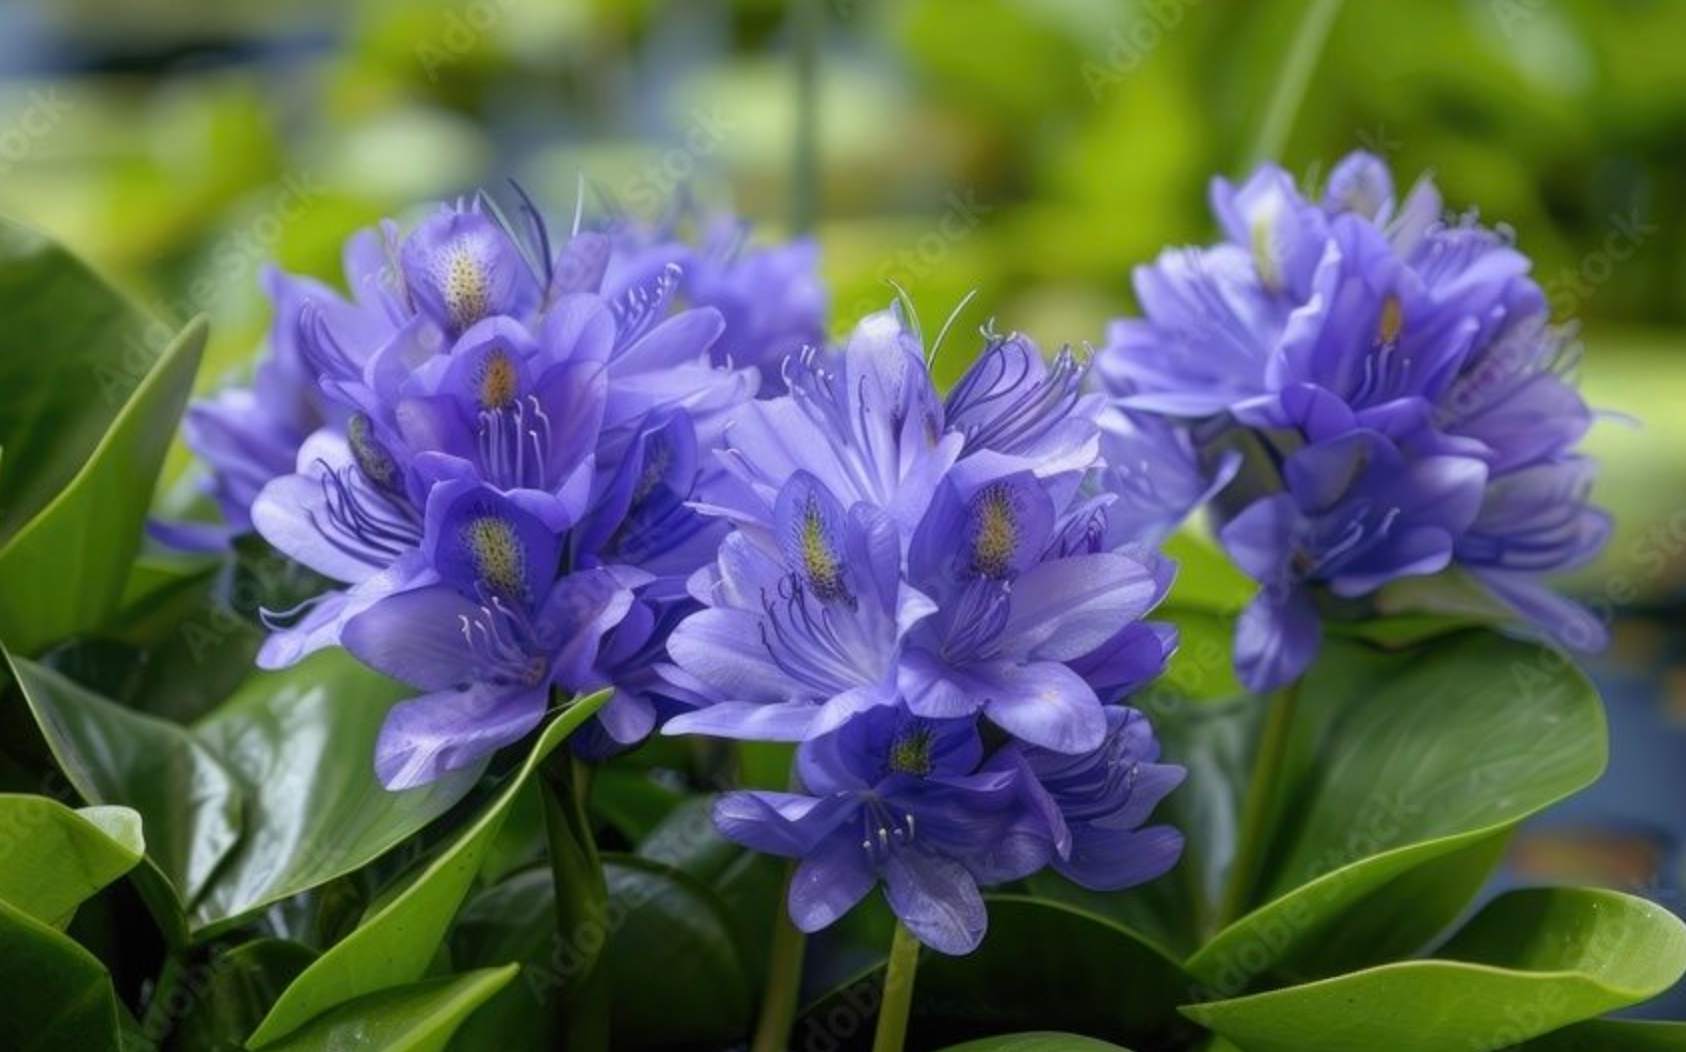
x=784, y=981
x=1264, y=792
x=582, y=901
x=897, y=1004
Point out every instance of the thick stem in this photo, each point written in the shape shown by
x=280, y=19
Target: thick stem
x=582, y=903
x=897, y=1004
x=784, y=983
x=1258, y=807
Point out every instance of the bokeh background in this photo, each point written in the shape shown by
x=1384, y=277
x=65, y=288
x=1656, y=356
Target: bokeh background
x=1030, y=150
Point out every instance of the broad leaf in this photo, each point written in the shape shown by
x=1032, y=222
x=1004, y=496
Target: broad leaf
x=58, y=996
x=1529, y=963
x=397, y=941
x=90, y=394
x=1041, y=964
x=661, y=923
x=189, y=802
x=1609, y=1035
x=420, y=1017
x=52, y=859
x=273, y=794
x=1412, y=770
x=301, y=743
x=235, y=992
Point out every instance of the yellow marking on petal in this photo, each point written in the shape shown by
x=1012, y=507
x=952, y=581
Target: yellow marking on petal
x=911, y=753
x=997, y=534
x=499, y=382
x=1263, y=238
x=468, y=294
x=820, y=564
x=1392, y=322
x=499, y=559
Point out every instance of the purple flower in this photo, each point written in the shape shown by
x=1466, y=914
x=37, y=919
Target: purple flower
x=489, y=640
x=249, y=435
x=1397, y=396
x=1095, y=803
x=865, y=421
x=770, y=297
x=901, y=799
x=1356, y=514
x=920, y=805
x=1014, y=609
x=504, y=443
x=798, y=637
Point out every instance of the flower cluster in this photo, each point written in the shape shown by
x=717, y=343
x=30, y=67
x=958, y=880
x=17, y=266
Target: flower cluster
x=1378, y=393
x=928, y=595
x=491, y=448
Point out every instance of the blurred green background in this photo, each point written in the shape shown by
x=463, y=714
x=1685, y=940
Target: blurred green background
x=1033, y=150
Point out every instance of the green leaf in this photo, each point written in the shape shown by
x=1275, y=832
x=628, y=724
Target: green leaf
x=72, y=352
x=301, y=743
x=1042, y=963
x=661, y=922
x=271, y=795
x=236, y=990
x=52, y=859
x=398, y=940
x=1529, y=963
x=1206, y=578
x=1412, y=769
x=90, y=409
x=1609, y=1035
x=1036, y=1042
x=58, y=996
x=420, y=1017
x=189, y=802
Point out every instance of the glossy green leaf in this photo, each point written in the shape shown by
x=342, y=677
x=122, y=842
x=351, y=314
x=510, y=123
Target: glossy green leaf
x=1609, y=1035
x=1412, y=771
x=397, y=941
x=233, y=992
x=72, y=353
x=273, y=794
x=301, y=744
x=91, y=398
x=52, y=858
x=57, y=995
x=1042, y=963
x=189, y=802
x=1529, y=963
x=420, y=1017
x=1206, y=578
x=1036, y=1042
x=660, y=922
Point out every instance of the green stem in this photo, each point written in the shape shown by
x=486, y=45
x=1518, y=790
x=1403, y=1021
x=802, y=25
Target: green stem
x=160, y=1017
x=1291, y=86
x=582, y=902
x=1258, y=807
x=784, y=982
x=805, y=176
x=897, y=1004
